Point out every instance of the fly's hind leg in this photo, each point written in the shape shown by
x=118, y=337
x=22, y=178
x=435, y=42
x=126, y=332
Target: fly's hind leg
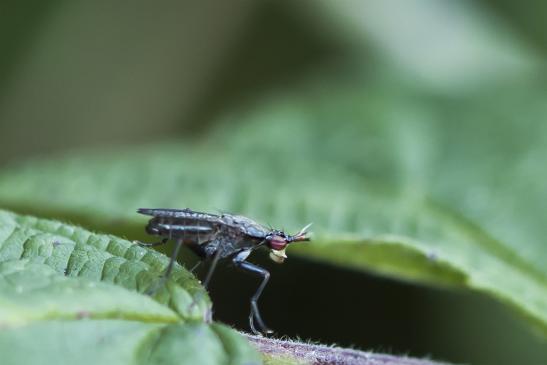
x=154, y=288
x=198, y=296
x=239, y=262
x=200, y=253
x=212, y=268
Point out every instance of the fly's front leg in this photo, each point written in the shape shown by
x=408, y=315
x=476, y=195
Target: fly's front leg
x=152, y=244
x=239, y=262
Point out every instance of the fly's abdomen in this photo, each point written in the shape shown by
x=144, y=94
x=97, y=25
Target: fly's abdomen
x=173, y=229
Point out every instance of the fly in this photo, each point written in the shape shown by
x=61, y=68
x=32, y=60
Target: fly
x=224, y=236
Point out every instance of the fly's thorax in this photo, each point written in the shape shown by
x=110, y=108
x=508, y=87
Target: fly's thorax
x=245, y=225
x=228, y=246
x=247, y=242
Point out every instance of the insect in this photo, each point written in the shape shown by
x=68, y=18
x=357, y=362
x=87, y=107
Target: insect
x=225, y=236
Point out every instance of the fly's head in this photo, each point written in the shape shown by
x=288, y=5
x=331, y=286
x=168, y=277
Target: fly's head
x=278, y=241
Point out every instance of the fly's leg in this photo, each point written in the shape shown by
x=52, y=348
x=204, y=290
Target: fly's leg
x=195, y=266
x=216, y=257
x=174, y=255
x=153, y=244
x=212, y=268
x=200, y=253
x=165, y=276
x=167, y=272
x=240, y=263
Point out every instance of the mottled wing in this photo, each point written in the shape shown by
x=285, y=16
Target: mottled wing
x=187, y=216
x=176, y=228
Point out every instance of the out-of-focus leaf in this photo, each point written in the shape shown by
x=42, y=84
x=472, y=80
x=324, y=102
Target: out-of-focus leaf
x=68, y=296
x=447, y=192
x=529, y=19
x=445, y=45
x=100, y=63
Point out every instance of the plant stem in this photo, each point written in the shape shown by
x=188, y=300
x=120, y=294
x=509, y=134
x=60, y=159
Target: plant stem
x=308, y=353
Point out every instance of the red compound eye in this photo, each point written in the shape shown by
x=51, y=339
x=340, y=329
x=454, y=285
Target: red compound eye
x=277, y=242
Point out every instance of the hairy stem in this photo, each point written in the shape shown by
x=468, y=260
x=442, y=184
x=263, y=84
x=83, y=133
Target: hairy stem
x=307, y=353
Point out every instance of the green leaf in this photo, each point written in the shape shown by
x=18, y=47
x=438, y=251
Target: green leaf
x=122, y=342
x=76, y=252
x=68, y=295
x=441, y=191
x=34, y=291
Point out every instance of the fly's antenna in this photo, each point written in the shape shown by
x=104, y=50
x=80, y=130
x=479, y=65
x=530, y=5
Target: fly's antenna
x=304, y=230
x=302, y=235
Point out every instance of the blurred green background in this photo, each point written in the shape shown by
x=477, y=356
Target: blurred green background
x=88, y=75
